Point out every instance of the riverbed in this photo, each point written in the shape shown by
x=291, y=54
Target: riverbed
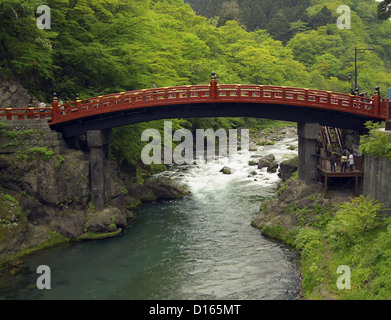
x=199, y=247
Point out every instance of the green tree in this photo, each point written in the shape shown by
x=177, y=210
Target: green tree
x=26, y=52
x=384, y=9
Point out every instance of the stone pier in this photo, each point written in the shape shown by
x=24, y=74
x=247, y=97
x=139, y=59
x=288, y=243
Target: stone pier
x=307, y=135
x=98, y=142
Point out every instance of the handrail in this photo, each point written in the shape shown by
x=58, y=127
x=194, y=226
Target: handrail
x=25, y=113
x=167, y=96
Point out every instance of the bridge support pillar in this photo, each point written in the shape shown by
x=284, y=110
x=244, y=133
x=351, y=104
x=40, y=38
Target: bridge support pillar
x=308, y=134
x=98, y=142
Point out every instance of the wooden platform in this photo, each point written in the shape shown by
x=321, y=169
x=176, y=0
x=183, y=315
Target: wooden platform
x=324, y=169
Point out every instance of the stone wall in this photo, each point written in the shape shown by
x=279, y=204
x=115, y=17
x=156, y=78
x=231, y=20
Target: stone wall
x=21, y=135
x=376, y=182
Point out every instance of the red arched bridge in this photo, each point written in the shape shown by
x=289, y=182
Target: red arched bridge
x=214, y=100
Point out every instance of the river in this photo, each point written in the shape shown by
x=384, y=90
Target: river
x=199, y=247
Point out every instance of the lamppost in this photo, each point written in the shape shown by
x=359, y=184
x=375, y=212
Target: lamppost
x=351, y=83
x=355, y=62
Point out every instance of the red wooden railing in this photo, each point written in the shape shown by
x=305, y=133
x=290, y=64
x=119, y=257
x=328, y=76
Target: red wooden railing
x=374, y=108
x=25, y=113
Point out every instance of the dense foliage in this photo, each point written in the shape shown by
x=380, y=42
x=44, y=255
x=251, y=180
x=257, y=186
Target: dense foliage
x=384, y=9
x=376, y=143
x=104, y=46
x=357, y=236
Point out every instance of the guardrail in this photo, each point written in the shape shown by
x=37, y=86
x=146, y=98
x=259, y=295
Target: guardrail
x=375, y=108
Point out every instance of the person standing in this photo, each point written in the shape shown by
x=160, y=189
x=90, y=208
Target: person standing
x=333, y=161
x=351, y=162
x=42, y=106
x=344, y=162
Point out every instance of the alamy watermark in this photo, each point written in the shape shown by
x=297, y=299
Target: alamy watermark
x=343, y=22
x=343, y=281
x=185, y=152
x=44, y=280
x=44, y=21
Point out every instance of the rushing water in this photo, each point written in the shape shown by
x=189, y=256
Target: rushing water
x=200, y=247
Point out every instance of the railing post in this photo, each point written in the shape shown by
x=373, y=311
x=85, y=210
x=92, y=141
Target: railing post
x=55, y=109
x=351, y=101
x=31, y=113
x=213, y=86
x=8, y=112
x=376, y=101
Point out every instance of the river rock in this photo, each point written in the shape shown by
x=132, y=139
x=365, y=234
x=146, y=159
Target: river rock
x=265, y=142
x=265, y=161
x=107, y=220
x=288, y=167
x=154, y=189
x=70, y=225
x=226, y=170
x=165, y=188
x=272, y=167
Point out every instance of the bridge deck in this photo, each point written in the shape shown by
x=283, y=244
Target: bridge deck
x=194, y=94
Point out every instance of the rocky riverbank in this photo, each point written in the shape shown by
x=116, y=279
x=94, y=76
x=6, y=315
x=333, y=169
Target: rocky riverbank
x=297, y=205
x=45, y=195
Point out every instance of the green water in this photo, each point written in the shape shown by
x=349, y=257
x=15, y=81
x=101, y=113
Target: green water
x=200, y=247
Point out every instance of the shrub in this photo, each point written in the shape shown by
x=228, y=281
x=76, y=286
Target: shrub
x=352, y=219
x=375, y=143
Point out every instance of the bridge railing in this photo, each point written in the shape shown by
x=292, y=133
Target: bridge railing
x=205, y=94
x=25, y=113
x=132, y=100
x=305, y=97
x=225, y=93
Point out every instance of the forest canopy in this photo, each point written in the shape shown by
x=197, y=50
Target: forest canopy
x=96, y=47
x=103, y=46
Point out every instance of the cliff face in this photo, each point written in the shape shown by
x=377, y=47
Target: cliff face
x=45, y=191
x=12, y=94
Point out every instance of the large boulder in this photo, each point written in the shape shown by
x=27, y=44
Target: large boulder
x=272, y=167
x=288, y=167
x=265, y=161
x=165, y=188
x=107, y=220
x=70, y=225
x=156, y=188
